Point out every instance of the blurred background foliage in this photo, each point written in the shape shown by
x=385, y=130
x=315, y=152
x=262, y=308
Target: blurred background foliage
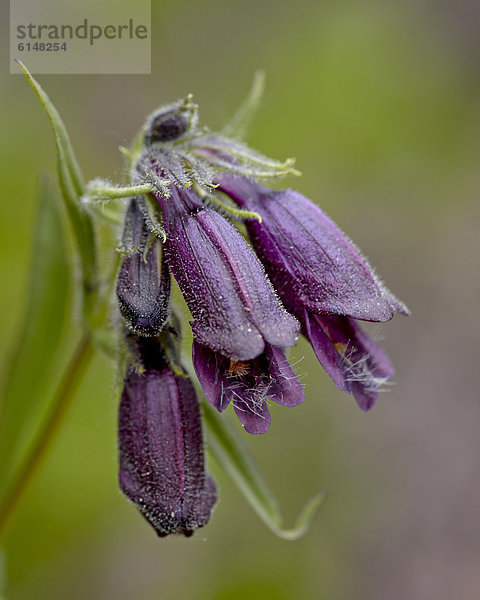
x=380, y=104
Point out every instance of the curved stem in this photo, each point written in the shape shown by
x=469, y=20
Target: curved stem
x=61, y=403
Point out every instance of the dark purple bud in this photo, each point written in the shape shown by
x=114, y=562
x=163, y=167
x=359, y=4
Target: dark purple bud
x=248, y=384
x=143, y=283
x=311, y=262
x=162, y=467
x=356, y=364
x=234, y=306
x=171, y=122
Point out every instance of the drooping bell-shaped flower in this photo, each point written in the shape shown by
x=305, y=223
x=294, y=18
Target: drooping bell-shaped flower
x=248, y=384
x=162, y=464
x=311, y=261
x=143, y=282
x=323, y=279
x=234, y=307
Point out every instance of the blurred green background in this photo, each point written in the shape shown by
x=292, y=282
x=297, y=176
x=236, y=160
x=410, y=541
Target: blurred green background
x=380, y=104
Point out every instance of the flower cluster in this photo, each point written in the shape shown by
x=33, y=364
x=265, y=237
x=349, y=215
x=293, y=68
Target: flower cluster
x=299, y=275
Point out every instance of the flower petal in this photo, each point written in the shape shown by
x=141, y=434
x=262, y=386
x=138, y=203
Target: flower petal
x=211, y=369
x=353, y=360
x=308, y=258
x=285, y=387
x=325, y=351
x=253, y=413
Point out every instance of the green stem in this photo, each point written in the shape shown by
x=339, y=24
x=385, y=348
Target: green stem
x=61, y=403
x=103, y=193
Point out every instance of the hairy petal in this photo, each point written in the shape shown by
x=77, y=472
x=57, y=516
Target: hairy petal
x=353, y=360
x=253, y=413
x=285, y=387
x=308, y=258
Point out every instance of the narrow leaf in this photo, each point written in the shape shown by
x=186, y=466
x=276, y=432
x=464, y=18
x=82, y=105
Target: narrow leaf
x=232, y=455
x=73, y=187
x=240, y=122
x=32, y=365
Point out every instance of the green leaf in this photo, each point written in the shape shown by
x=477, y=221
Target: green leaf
x=33, y=358
x=3, y=574
x=232, y=455
x=73, y=187
x=240, y=122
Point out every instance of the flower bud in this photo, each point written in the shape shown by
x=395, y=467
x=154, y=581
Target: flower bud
x=162, y=466
x=143, y=283
x=171, y=122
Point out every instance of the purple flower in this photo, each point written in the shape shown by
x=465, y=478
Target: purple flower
x=323, y=280
x=162, y=468
x=235, y=309
x=247, y=384
x=303, y=275
x=143, y=283
x=240, y=322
